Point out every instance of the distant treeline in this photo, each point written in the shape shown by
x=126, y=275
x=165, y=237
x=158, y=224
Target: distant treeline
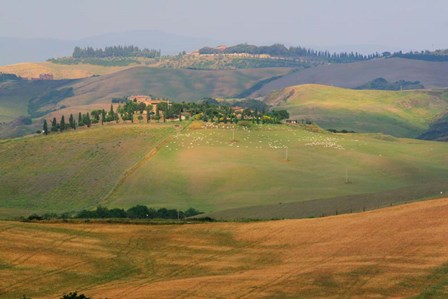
x=8, y=77
x=135, y=212
x=438, y=55
x=383, y=84
x=279, y=50
x=115, y=51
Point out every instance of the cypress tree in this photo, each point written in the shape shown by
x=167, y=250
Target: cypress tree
x=157, y=114
x=54, y=125
x=103, y=116
x=80, y=119
x=111, y=112
x=45, y=127
x=88, y=121
x=62, y=126
x=71, y=121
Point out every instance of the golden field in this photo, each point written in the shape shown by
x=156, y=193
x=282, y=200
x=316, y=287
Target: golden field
x=394, y=252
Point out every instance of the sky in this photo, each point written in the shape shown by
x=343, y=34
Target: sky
x=406, y=24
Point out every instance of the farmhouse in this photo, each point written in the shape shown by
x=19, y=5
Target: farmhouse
x=43, y=77
x=148, y=100
x=46, y=77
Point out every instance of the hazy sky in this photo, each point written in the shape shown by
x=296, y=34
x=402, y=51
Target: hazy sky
x=410, y=24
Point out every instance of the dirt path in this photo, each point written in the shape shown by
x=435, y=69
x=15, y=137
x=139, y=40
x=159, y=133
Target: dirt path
x=131, y=170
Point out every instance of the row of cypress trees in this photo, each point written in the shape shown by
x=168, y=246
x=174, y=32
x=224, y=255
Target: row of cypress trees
x=83, y=120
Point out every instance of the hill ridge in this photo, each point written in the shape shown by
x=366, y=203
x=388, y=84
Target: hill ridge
x=430, y=74
x=406, y=113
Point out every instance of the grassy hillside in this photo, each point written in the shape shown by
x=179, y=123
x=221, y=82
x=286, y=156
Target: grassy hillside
x=14, y=96
x=205, y=169
x=125, y=165
x=59, y=71
x=71, y=170
x=176, y=84
x=399, y=113
x=14, y=99
x=394, y=252
x=351, y=75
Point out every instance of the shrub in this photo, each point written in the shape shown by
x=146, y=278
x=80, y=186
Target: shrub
x=74, y=295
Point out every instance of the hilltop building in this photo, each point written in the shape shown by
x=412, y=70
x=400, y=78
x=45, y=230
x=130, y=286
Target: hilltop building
x=43, y=77
x=148, y=100
x=46, y=77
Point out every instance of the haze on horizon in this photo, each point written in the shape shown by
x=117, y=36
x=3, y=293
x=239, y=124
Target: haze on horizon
x=399, y=24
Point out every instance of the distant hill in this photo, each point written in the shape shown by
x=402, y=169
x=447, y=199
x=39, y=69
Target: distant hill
x=430, y=74
x=398, y=113
x=176, y=84
x=14, y=96
x=97, y=92
x=60, y=71
x=16, y=50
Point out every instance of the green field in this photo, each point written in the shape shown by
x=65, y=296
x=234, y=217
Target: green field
x=398, y=113
x=204, y=168
x=72, y=170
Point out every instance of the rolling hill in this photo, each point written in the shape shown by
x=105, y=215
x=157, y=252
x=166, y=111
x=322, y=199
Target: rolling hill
x=351, y=75
x=14, y=99
x=395, y=252
x=398, y=113
x=155, y=165
x=14, y=96
x=176, y=84
x=59, y=71
x=97, y=92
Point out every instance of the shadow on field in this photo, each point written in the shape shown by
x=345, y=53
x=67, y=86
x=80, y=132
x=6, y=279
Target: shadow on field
x=334, y=206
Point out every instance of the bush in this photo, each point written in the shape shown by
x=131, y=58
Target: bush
x=74, y=295
x=35, y=217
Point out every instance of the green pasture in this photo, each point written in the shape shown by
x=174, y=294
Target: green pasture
x=207, y=169
x=399, y=113
x=206, y=166
x=71, y=170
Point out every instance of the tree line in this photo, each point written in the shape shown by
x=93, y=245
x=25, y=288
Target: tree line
x=438, y=55
x=383, y=84
x=280, y=50
x=207, y=110
x=115, y=51
x=9, y=77
x=83, y=120
x=135, y=212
